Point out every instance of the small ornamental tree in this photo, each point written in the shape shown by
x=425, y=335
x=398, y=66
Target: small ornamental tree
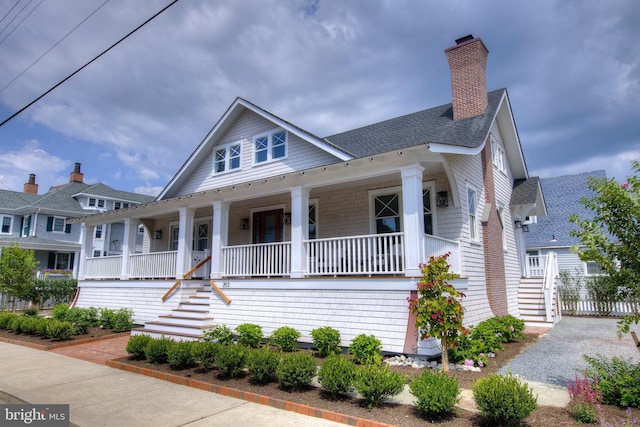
x=437, y=308
x=611, y=237
x=17, y=272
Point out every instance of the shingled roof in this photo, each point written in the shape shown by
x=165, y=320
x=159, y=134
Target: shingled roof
x=562, y=195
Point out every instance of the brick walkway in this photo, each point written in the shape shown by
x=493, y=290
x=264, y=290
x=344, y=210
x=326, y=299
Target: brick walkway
x=97, y=352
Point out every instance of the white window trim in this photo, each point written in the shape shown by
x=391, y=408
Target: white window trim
x=498, y=156
x=503, y=221
x=431, y=185
x=269, y=134
x=315, y=202
x=53, y=224
x=2, y=217
x=227, y=162
x=475, y=239
x=372, y=205
x=586, y=269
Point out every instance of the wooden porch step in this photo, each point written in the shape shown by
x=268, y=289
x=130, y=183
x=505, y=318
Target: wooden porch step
x=153, y=333
x=172, y=328
x=185, y=321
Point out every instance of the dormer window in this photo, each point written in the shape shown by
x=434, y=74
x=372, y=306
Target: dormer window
x=498, y=156
x=270, y=146
x=92, y=201
x=227, y=158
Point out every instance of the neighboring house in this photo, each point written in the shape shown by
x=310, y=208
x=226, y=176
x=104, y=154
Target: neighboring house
x=42, y=222
x=309, y=231
x=551, y=233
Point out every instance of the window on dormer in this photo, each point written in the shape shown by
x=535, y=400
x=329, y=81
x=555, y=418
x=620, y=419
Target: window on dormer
x=498, y=156
x=270, y=146
x=227, y=158
x=92, y=201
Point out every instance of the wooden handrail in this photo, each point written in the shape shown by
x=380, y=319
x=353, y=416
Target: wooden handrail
x=219, y=291
x=170, y=291
x=186, y=276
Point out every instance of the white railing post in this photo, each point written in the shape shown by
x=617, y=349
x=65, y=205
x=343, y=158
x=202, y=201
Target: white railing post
x=548, y=284
x=299, y=230
x=219, y=238
x=413, y=218
x=185, y=239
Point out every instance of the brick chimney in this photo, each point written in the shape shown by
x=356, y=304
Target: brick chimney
x=76, y=175
x=468, y=64
x=31, y=187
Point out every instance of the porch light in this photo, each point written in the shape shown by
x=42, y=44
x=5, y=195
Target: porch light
x=244, y=224
x=518, y=223
x=443, y=199
x=157, y=235
x=286, y=218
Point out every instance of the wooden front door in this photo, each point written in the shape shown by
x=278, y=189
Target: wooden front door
x=267, y=226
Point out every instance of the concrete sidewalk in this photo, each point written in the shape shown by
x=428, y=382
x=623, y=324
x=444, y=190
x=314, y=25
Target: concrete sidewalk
x=102, y=396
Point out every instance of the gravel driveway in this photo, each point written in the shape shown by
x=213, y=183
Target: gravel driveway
x=557, y=356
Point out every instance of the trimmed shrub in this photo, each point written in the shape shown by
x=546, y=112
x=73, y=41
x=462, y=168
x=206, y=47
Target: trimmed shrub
x=122, y=320
x=262, y=364
x=221, y=334
x=107, y=317
x=59, y=311
x=205, y=353
x=30, y=312
x=6, y=319
x=17, y=324
x=326, y=340
x=249, y=335
x=285, y=338
x=437, y=393
x=157, y=350
x=337, y=374
x=59, y=330
x=618, y=380
x=137, y=344
x=375, y=383
x=503, y=399
x=180, y=355
x=366, y=349
x=42, y=326
x=232, y=359
x=296, y=370
x=30, y=325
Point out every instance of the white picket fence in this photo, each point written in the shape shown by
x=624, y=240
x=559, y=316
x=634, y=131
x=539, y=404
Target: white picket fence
x=587, y=307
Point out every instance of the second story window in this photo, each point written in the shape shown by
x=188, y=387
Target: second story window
x=117, y=205
x=472, y=200
x=101, y=203
x=58, y=224
x=227, y=158
x=498, y=156
x=98, y=231
x=92, y=201
x=270, y=146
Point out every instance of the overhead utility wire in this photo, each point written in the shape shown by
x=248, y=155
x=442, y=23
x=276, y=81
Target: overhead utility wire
x=10, y=10
x=52, y=47
x=87, y=64
x=16, y=17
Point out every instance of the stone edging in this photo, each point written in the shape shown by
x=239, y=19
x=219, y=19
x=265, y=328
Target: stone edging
x=249, y=396
x=53, y=346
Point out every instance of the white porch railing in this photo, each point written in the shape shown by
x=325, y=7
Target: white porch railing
x=153, y=265
x=548, y=286
x=260, y=260
x=105, y=267
x=535, y=266
x=362, y=255
x=438, y=246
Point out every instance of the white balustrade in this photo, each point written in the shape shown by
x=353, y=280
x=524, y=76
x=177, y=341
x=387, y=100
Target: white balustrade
x=259, y=260
x=535, y=266
x=437, y=246
x=105, y=267
x=153, y=265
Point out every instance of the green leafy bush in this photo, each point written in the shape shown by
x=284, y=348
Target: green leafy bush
x=137, y=344
x=122, y=320
x=42, y=326
x=30, y=325
x=204, y=353
x=584, y=395
x=437, y=393
x=296, y=370
x=157, y=350
x=375, y=383
x=17, y=324
x=59, y=311
x=503, y=399
x=30, y=312
x=221, y=334
x=366, y=349
x=106, y=319
x=59, y=330
x=470, y=349
x=249, y=335
x=81, y=318
x=618, y=380
x=262, y=364
x=285, y=338
x=337, y=374
x=326, y=340
x=6, y=319
x=232, y=359
x=180, y=355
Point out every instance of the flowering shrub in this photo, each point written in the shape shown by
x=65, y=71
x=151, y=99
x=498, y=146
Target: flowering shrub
x=584, y=395
x=438, y=311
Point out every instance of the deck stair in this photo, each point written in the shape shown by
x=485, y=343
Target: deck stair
x=187, y=322
x=532, y=305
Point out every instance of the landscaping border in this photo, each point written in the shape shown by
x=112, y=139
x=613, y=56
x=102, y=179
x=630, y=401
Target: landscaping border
x=47, y=347
x=249, y=396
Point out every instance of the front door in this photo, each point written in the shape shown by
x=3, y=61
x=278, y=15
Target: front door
x=267, y=226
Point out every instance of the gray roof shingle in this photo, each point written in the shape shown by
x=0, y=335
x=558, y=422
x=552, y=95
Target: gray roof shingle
x=525, y=191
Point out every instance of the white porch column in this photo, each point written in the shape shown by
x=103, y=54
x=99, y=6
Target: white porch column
x=185, y=241
x=412, y=212
x=219, y=237
x=299, y=230
x=86, y=248
x=128, y=245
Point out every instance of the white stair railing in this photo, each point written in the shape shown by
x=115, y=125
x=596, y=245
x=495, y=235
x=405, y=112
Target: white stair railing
x=549, y=283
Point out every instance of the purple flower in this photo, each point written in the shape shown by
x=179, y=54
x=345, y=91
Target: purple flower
x=624, y=185
x=469, y=362
x=480, y=364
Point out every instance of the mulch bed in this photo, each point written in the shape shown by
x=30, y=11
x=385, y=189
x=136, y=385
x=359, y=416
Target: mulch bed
x=39, y=343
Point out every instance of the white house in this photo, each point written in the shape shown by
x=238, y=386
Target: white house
x=306, y=231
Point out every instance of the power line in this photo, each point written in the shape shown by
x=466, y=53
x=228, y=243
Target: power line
x=16, y=17
x=53, y=47
x=9, y=12
x=88, y=63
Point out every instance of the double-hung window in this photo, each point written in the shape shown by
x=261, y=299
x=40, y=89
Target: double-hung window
x=5, y=224
x=472, y=201
x=270, y=146
x=226, y=158
x=498, y=156
x=98, y=232
x=592, y=268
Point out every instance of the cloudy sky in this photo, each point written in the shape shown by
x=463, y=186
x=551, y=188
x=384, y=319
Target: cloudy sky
x=572, y=69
